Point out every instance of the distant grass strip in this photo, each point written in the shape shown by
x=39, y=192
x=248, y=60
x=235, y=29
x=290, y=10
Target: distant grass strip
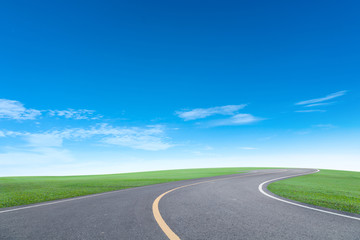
x=16, y=191
x=338, y=190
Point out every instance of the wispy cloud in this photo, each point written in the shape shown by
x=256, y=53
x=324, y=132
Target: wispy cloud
x=323, y=99
x=12, y=133
x=151, y=138
x=311, y=110
x=319, y=104
x=247, y=148
x=199, y=113
x=238, y=119
x=144, y=142
x=44, y=140
x=12, y=109
x=75, y=114
x=15, y=110
x=303, y=132
x=42, y=156
x=146, y=138
x=324, y=126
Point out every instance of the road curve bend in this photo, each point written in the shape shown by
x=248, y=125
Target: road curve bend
x=224, y=207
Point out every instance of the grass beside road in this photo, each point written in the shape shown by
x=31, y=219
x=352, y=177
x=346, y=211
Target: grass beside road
x=338, y=190
x=16, y=191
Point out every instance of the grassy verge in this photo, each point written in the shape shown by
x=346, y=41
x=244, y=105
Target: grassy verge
x=338, y=190
x=16, y=191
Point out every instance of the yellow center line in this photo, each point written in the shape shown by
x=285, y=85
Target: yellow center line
x=156, y=212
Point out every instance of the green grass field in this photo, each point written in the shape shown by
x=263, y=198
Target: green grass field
x=16, y=191
x=328, y=188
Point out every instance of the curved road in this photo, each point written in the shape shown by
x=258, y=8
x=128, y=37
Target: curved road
x=223, y=207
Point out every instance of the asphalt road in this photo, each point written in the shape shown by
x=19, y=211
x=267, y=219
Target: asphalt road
x=224, y=207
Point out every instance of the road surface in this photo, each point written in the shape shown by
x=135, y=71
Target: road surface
x=223, y=207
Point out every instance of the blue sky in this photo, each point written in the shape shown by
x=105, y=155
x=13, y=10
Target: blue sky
x=116, y=86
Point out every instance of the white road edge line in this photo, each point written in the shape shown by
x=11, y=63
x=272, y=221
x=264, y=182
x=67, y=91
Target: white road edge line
x=300, y=205
x=66, y=200
x=55, y=202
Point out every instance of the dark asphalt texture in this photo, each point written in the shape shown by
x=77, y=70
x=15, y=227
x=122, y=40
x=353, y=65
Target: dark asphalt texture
x=230, y=208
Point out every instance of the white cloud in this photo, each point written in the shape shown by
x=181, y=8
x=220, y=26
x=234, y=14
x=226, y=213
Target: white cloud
x=312, y=110
x=303, y=132
x=238, y=119
x=44, y=140
x=151, y=143
x=199, y=113
x=208, y=148
x=12, y=133
x=75, y=114
x=12, y=109
x=248, y=148
x=15, y=110
x=323, y=99
x=319, y=104
x=35, y=156
x=151, y=137
x=325, y=126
